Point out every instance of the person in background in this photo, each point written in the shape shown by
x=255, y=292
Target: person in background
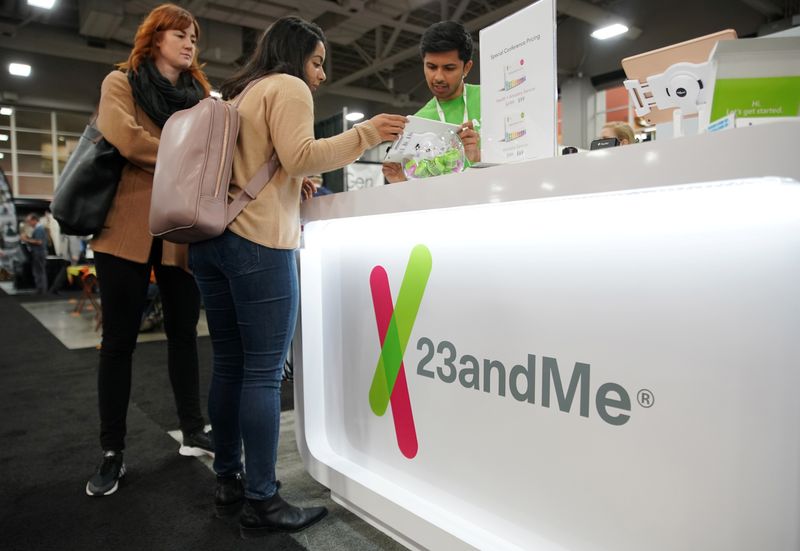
x=248, y=275
x=620, y=130
x=70, y=249
x=37, y=245
x=446, y=49
x=53, y=232
x=161, y=76
x=24, y=230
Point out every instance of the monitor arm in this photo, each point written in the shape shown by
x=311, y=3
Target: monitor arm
x=683, y=86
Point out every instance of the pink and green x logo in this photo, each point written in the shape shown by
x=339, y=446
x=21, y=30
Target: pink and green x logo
x=394, y=329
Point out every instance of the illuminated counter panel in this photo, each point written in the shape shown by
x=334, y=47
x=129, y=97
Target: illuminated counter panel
x=588, y=361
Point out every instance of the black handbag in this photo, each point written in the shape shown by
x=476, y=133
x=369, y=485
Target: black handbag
x=88, y=184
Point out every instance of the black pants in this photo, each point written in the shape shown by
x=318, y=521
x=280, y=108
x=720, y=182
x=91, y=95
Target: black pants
x=123, y=294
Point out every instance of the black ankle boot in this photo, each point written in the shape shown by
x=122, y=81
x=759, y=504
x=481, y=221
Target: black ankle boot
x=275, y=515
x=229, y=495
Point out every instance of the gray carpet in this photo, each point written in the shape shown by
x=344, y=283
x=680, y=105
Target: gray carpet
x=48, y=426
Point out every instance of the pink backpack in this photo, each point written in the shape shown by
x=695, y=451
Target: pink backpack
x=193, y=172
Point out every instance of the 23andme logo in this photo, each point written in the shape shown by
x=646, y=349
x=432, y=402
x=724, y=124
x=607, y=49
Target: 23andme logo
x=395, y=322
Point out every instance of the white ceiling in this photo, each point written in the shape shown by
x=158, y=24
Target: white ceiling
x=373, y=60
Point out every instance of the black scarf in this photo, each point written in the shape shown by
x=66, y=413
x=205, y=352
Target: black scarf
x=158, y=97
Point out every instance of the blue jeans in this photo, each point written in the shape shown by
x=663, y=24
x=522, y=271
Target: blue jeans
x=250, y=294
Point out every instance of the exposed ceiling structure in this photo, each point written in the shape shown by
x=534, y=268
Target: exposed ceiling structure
x=373, y=57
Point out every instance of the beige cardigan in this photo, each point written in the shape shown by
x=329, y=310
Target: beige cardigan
x=130, y=130
x=278, y=114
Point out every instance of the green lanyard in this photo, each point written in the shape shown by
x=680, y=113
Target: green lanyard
x=441, y=112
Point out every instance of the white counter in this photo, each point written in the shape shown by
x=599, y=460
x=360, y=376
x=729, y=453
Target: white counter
x=599, y=350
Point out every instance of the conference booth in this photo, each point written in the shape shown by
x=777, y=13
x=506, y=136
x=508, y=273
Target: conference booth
x=594, y=351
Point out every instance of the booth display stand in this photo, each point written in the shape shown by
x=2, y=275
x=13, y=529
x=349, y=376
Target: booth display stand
x=589, y=352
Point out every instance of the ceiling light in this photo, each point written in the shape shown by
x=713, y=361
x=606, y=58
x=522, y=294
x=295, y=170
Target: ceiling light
x=46, y=4
x=19, y=69
x=354, y=116
x=6, y=111
x=3, y=137
x=608, y=32
x=215, y=94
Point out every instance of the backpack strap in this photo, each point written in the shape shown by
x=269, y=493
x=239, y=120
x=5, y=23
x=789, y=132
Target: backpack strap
x=253, y=188
x=261, y=178
x=238, y=99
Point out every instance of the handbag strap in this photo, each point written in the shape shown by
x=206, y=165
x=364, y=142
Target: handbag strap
x=261, y=177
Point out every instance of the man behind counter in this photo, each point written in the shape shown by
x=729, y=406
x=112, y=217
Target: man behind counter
x=446, y=50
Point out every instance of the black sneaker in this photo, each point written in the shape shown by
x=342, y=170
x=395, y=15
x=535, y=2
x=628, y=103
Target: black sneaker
x=105, y=480
x=197, y=443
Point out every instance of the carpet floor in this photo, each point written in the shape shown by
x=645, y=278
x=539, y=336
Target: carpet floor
x=48, y=430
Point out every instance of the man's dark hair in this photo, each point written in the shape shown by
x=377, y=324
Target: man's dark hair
x=447, y=36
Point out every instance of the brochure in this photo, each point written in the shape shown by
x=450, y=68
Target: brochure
x=417, y=131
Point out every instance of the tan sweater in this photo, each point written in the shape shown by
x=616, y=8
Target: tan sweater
x=278, y=114
x=126, y=126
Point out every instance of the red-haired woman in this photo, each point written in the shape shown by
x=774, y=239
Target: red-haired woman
x=161, y=76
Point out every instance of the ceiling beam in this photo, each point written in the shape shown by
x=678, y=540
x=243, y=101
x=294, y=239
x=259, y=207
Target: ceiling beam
x=364, y=14
x=395, y=34
x=70, y=46
x=764, y=7
x=47, y=41
x=460, y=9
x=371, y=69
x=473, y=25
x=396, y=100
x=497, y=14
x=595, y=15
x=223, y=11
x=194, y=6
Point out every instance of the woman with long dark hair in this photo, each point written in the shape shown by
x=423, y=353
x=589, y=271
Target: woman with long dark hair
x=161, y=76
x=248, y=277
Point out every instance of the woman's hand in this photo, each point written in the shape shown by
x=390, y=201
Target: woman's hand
x=307, y=190
x=389, y=126
x=393, y=173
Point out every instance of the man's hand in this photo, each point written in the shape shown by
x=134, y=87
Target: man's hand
x=29, y=240
x=472, y=142
x=393, y=173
